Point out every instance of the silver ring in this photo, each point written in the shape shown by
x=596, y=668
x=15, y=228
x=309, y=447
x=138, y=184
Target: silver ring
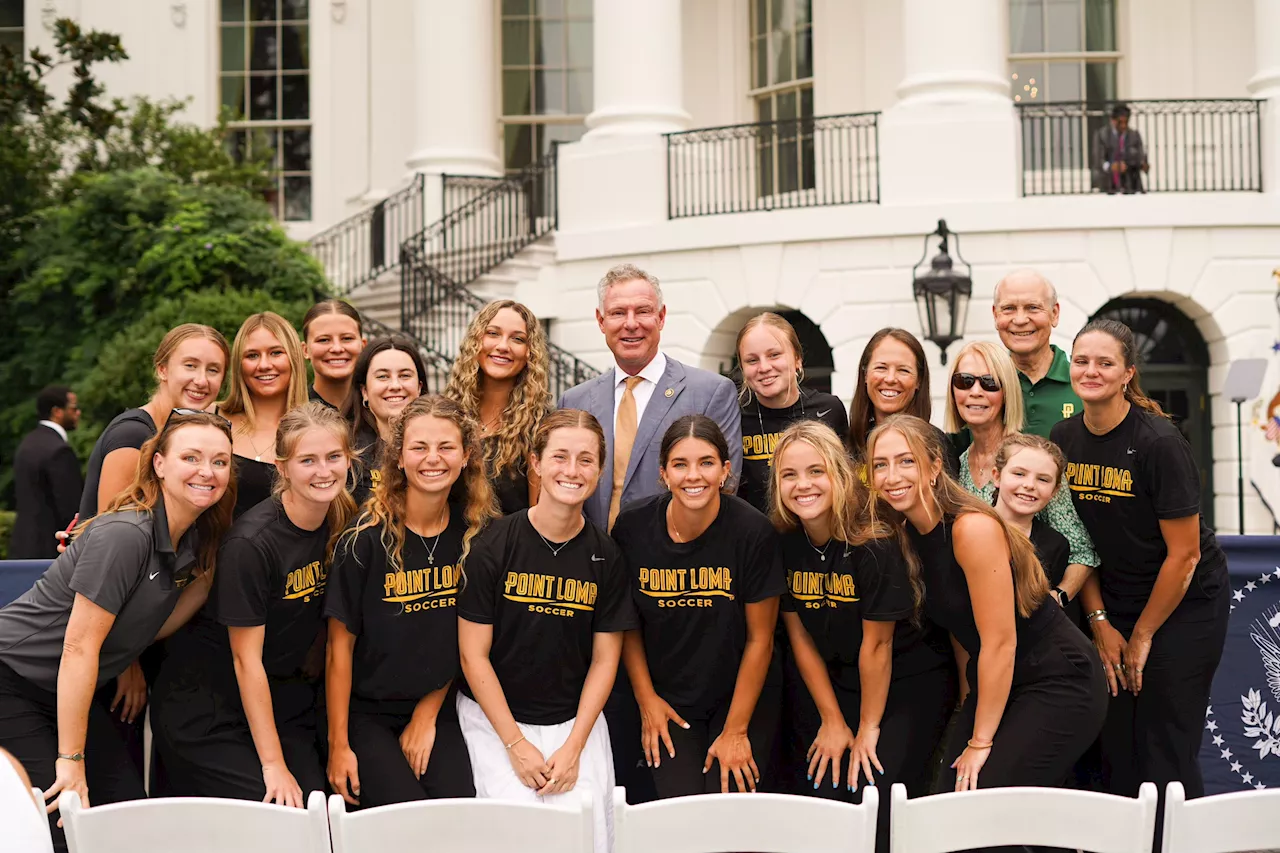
x=961, y=778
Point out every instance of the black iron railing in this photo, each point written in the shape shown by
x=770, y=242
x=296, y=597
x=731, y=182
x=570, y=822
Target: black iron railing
x=362, y=247
x=457, y=190
x=1190, y=146
x=375, y=329
x=806, y=162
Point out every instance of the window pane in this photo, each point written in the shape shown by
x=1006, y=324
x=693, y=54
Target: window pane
x=13, y=41
x=517, y=7
x=233, y=95
x=293, y=10
x=1064, y=25
x=760, y=68
x=10, y=13
x=806, y=105
x=803, y=12
x=296, y=47
x=787, y=106
x=760, y=18
x=804, y=53
x=580, y=44
x=578, y=9
x=264, y=49
x=549, y=44
x=296, y=150
x=764, y=109
x=550, y=95
x=549, y=8
x=580, y=91
x=1026, y=26
x=1099, y=82
x=233, y=10
x=262, y=10
x=297, y=198
x=1027, y=80
x=781, y=14
x=780, y=57
x=1065, y=81
x=516, y=36
x=517, y=93
x=296, y=92
x=518, y=141
x=268, y=141
x=1100, y=24
x=233, y=48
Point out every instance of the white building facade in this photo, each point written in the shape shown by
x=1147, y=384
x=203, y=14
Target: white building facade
x=841, y=131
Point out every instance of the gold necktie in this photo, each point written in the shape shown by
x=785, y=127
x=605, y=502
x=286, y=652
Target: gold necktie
x=624, y=436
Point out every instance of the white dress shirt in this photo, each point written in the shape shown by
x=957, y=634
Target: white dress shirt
x=56, y=428
x=651, y=374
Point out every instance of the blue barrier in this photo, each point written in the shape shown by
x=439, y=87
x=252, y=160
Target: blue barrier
x=17, y=576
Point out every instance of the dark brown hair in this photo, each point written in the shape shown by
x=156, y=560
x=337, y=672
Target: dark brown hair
x=702, y=428
x=330, y=306
x=360, y=418
x=862, y=413
x=1123, y=335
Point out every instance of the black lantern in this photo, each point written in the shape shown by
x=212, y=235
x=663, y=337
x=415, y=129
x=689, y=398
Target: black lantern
x=942, y=293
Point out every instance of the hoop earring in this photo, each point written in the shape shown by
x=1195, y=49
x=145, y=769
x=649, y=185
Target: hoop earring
x=933, y=483
x=1124, y=389
x=364, y=403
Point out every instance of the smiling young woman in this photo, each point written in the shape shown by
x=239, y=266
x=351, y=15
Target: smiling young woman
x=332, y=339
x=389, y=375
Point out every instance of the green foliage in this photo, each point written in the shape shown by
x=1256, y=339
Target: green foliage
x=6, y=531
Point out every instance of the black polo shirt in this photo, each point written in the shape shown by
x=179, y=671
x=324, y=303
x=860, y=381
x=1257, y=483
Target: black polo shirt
x=125, y=563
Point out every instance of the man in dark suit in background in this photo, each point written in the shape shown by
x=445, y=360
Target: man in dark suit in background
x=46, y=477
x=1119, y=156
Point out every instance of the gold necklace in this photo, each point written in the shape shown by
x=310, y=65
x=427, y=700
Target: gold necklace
x=1099, y=431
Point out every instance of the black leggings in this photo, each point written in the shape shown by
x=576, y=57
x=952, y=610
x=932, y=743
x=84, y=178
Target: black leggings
x=29, y=730
x=385, y=775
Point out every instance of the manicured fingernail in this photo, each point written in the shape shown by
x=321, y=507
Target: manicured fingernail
x=810, y=777
x=835, y=784
x=815, y=786
x=672, y=753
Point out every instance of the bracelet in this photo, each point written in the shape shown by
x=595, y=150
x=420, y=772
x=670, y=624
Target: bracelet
x=980, y=745
x=514, y=742
x=1098, y=616
x=75, y=756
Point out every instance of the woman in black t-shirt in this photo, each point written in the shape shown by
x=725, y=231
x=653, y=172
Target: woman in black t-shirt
x=540, y=624
x=1035, y=700
x=705, y=575
x=500, y=379
x=392, y=610
x=332, y=338
x=849, y=614
x=389, y=375
x=771, y=361
x=234, y=708
x=1158, y=605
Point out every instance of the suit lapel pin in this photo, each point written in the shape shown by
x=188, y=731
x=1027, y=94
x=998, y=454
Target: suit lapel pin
x=671, y=392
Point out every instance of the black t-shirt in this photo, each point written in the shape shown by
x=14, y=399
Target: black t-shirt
x=405, y=622
x=1124, y=483
x=272, y=573
x=1053, y=550
x=314, y=396
x=367, y=470
x=254, y=482
x=545, y=609
x=854, y=583
x=511, y=486
x=763, y=426
x=130, y=428
x=691, y=597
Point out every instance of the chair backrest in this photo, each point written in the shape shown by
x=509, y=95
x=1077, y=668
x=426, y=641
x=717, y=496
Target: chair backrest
x=765, y=823
x=194, y=825
x=1224, y=823
x=473, y=825
x=1007, y=817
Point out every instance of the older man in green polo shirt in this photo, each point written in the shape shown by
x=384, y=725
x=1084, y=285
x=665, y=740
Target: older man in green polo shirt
x=1026, y=312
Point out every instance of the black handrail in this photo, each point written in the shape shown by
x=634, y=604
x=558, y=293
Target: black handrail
x=362, y=247
x=770, y=165
x=1192, y=145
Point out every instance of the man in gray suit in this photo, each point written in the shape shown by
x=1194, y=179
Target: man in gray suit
x=648, y=386
x=1119, y=156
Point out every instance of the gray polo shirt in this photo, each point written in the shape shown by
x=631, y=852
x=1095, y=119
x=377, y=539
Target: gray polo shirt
x=126, y=564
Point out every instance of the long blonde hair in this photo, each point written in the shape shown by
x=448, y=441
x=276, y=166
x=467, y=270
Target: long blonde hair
x=239, y=401
x=386, y=507
x=295, y=424
x=530, y=397
x=949, y=498
x=1012, y=410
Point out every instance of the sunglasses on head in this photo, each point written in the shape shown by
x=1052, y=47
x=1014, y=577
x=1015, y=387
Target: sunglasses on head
x=964, y=381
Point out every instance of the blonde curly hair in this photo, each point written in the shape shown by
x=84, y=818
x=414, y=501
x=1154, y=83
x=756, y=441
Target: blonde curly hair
x=530, y=398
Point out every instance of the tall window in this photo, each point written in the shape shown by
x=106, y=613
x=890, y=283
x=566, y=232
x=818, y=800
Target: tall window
x=1062, y=50
x=11, y=25
x=782, y=88
x=546, y=76
x=266, y=88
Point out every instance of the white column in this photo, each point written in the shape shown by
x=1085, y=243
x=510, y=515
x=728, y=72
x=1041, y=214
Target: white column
x=952, y=136
x=455, y=73
x=1266, y=84
x=639, y=74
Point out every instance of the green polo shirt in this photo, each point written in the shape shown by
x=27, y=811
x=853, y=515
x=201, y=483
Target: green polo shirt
x=1051, y=399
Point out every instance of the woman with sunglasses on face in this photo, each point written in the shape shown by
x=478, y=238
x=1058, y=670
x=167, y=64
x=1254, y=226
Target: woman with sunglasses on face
x=987, y=398
x=132, y=575
x=540, y=624
x=705, y=575
x=393, y=724
x=268, y=379
x=850, y=615
x=500, y=379
x=772, y=399
x=389, y=375
x=332, y=338
x=1159, y=603
x=1036, y=699
x=233, y=711
x=893, y=378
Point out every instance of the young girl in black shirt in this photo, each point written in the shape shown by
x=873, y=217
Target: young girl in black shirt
x=389, y=375
x=1158, y=605
x=234, y=708
x=392, y=608
x=705, y=575
x=849, y=615
x=1035, y=700
x=540, y=625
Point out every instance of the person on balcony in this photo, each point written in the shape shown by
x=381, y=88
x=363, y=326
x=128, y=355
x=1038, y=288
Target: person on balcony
x=1119, y=156
x=332, y=338
x=500, y=380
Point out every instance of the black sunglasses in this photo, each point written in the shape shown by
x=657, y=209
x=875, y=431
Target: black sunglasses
x=964, y=381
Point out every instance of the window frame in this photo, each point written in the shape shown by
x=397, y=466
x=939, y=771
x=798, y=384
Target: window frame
x=1082, y=57
x=769, y=162
x=20, y=29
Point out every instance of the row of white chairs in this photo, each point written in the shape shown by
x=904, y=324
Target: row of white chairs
x=765, y=823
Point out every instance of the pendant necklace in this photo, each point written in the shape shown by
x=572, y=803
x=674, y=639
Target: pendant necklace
x=431, y=549
x=555, y=552
x=257, y=454
x=821, y=552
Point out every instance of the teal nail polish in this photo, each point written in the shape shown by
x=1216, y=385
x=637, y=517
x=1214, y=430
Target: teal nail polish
x=810, y=777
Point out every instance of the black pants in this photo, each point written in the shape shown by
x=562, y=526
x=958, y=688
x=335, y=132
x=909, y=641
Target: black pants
x=1056, y=708
x=29, y=730
x=385, y=775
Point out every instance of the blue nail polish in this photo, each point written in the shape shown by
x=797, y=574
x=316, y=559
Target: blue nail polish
x=834, y=783
x=810, y=777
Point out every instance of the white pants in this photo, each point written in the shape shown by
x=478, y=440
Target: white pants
x=496, y=780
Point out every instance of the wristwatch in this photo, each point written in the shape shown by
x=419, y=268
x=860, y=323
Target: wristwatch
x=1061, y=594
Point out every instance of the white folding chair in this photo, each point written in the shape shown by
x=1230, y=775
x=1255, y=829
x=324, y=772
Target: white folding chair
x=194, y=825
x=765, y=823
x=35, y=835
x=1006, y=817
x=1223, y=823
x=471, y=825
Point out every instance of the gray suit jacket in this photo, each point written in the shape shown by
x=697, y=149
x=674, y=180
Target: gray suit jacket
x=684, y=390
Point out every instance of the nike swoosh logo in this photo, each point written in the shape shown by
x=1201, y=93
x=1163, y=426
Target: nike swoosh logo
x=152, y=576
x=596, y=559
x=824, y=413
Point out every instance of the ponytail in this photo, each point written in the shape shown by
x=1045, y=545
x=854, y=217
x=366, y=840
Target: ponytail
x=1123, y=336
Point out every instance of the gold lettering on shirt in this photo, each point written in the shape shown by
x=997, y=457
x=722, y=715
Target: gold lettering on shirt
x=1099, y=483
x=760, y=447
x=822, y=589
x=550, y=594
x=687, y=587
x=433, y=587
x=305, y=582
